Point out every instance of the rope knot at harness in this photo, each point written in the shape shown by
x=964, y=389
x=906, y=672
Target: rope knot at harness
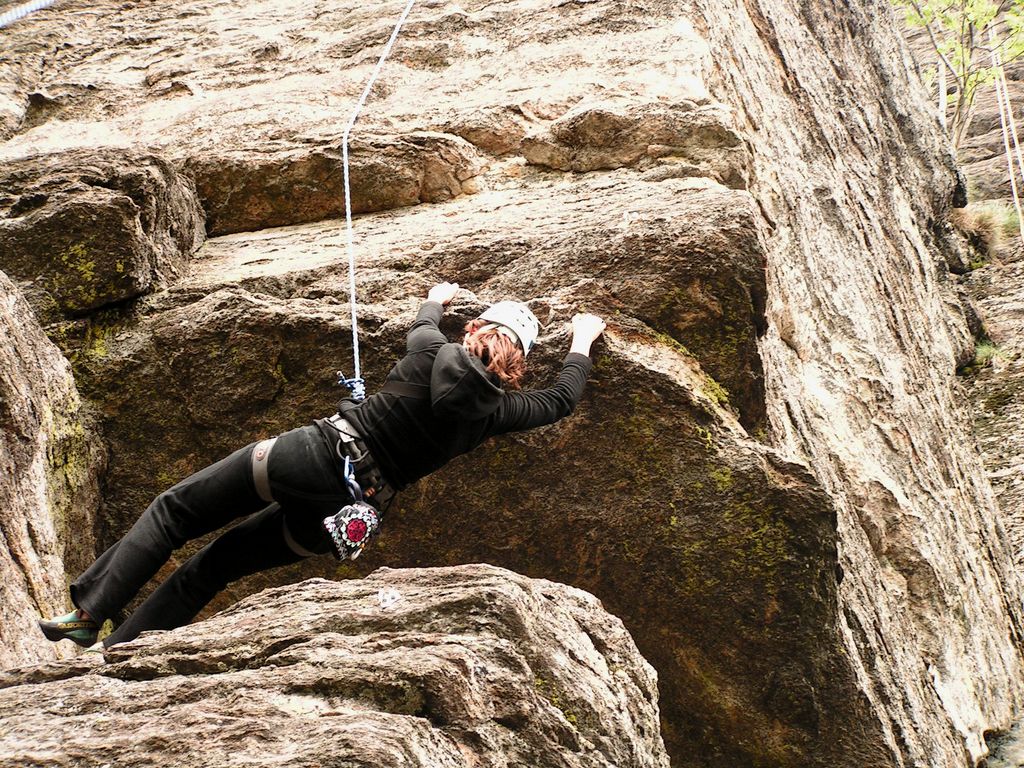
x=356, y=385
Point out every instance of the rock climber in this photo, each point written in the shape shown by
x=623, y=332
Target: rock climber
x=323, y=487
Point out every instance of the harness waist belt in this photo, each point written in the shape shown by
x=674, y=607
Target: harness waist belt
x=406, y=389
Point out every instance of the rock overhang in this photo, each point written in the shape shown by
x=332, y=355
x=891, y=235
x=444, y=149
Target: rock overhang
x=686, y=527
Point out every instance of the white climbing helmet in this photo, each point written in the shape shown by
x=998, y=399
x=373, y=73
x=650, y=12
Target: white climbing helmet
x=514, y=320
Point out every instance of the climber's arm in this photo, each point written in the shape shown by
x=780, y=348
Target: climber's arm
x=525, y=410
x=425, y=332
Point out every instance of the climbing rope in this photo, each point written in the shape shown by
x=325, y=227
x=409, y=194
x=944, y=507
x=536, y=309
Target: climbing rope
x=1006, y=119
x=22, y=11
x=356, y=384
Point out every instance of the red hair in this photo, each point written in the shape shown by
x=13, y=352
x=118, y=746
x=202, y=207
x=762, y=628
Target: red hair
x=502, y=356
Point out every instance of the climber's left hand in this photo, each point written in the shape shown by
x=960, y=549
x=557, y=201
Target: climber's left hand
x=443, y=292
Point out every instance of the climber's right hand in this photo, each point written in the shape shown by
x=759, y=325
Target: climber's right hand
x=587, y=327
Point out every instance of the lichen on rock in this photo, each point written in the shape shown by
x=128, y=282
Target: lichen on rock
x=51, y=461
x=85, y=230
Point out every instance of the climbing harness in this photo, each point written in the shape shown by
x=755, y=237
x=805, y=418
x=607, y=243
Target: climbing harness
x=260, y=461
x=356, y=384
x=361, y=474
x=351, y=528
x=22, y=11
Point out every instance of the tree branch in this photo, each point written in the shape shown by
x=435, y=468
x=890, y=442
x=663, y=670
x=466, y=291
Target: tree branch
x=935, y=43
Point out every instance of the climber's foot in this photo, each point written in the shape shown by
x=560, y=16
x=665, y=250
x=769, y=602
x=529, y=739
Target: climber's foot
x=71, y=626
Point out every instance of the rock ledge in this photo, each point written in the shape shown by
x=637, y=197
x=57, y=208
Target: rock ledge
x=471, y=665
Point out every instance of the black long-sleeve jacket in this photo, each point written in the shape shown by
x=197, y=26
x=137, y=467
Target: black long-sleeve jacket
x=411, y=437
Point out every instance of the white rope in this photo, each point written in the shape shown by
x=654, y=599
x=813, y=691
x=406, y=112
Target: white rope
x=1009, y=155
x=356, y=382
x=22, y=11
x=1013, y=132
x=941, y=70
x=1006, y=117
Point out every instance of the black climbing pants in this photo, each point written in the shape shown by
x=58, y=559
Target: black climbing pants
x=306, y=485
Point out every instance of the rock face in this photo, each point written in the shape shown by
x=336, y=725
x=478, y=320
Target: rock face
x=994, y=281
x=997, y=389
x=996, y=285
x=90, y=229
x=432, y=667
x=771, y=479
x=48, y=489
x=306, y=184
x=864, y=334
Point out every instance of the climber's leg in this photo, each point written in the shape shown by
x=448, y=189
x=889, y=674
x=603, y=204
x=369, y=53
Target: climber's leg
x=204, y=502
x=305, y=482
x=253, y=545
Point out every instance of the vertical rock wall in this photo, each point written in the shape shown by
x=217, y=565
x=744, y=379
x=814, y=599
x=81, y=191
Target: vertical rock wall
x=865, y=334
x=994, y=280
x=48, y=480
x=997, y=389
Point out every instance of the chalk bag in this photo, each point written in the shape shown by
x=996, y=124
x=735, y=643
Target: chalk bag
x=351, y=528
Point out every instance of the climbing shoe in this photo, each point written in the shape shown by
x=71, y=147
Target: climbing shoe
x=72, y=627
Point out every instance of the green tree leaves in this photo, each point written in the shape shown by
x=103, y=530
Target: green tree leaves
x=964, y=35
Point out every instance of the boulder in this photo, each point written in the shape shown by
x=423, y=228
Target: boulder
x=256, y=332
x=50, y=464
x=244, y=191
x=86, y=230
x=698, y=140
x=424, y=667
